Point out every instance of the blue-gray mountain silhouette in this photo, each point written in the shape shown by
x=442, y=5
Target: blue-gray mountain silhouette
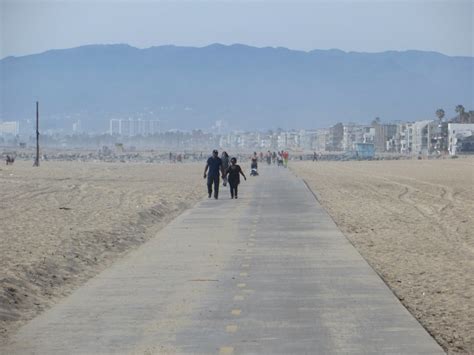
x=248, y=87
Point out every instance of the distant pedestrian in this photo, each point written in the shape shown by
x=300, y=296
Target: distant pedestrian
x=254, y=162
x=285, y=158
x=214, y=165
x=233, y=176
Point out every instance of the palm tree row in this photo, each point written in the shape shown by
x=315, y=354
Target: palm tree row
x=460, y=110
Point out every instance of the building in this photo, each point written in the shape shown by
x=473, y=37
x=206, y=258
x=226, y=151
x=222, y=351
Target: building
x=77, y=127
x=321, y=140
x=307, y=140
x=403, y=140
x=335, y=136
x=9, y=128
x=382, y=134
x=460, y=138
x=354, y=133
x=421, y=137
x=131, y=127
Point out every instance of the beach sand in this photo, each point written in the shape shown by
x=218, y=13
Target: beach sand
x=413, y=221
x=64, y=222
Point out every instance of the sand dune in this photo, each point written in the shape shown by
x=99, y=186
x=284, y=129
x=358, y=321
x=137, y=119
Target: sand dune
x=413, y=221
x=64, y=222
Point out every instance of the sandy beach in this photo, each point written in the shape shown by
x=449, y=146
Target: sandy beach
x=64, y=222
x=413, y=221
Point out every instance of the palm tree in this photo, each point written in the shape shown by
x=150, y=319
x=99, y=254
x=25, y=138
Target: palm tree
x=460, y=110
x=440, y=114
x=440, y=134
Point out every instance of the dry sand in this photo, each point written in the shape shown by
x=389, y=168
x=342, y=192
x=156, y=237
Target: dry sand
x=413, y=221
x=64, y=222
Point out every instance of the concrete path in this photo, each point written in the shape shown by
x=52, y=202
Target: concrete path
x=269, y=273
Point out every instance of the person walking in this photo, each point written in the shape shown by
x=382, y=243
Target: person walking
x=233, y=176
x=225, y=165
x=214, y=165
x=285, y=158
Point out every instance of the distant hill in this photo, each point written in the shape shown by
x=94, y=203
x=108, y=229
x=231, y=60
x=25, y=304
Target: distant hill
x=250, y=88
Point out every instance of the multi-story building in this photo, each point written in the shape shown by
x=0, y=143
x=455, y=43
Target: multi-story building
x=335, y=136
x=9, y=128
x=321, y=140
x=354, y=133
x=421, y=137
x=131, y=127
x=460, y=138
x=403, y=140
x=307, y=139
x=382, y=134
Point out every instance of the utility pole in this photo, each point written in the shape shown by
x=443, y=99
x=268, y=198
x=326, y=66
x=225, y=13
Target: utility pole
x=37, y=163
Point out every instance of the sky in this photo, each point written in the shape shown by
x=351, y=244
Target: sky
x=34, y=26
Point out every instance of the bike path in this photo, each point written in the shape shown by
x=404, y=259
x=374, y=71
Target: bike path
x=269, y=273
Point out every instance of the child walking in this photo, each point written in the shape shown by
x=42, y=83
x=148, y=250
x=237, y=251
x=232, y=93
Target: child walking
x=233, y=172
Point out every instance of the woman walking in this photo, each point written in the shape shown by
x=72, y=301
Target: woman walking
x=233, y=177
x=225, y=165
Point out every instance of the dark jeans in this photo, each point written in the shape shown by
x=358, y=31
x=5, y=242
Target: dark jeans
x=213, y=180
x=233, y=189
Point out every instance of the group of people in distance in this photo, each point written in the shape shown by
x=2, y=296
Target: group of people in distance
x=279, y=158
x=228, y=169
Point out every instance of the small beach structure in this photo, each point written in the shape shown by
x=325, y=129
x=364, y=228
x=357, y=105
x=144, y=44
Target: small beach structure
x=364, y=150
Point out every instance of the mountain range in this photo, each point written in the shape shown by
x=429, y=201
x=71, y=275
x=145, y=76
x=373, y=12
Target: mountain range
x=245, y=87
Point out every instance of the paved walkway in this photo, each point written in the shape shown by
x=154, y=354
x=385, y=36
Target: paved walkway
x=269, y=273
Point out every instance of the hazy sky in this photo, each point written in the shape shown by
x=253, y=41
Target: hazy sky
x=368, y=26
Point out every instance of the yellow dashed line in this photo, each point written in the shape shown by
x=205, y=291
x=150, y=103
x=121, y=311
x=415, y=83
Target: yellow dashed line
x=243, y=274
x=236, y=312
x=226, y=350
x=241, y=285
x=238, y=298
x=231, y=328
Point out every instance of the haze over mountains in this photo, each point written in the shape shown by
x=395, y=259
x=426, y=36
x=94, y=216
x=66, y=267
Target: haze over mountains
x=248, y=87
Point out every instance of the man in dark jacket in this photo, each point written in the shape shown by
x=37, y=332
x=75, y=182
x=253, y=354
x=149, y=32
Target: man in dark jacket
x=214, y=165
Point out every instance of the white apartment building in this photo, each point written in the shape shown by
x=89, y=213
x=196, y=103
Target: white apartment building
x=131, y=127
x=354, y=133
x=9, y=128
x=421, y=137
x=456, y=133
x=322, y=138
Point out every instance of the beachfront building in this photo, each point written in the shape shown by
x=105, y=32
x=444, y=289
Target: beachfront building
x=354, y=133
x=421, y=137
x=307, y=140
x=383, y=133
x=335, y=136
x=460, y=138
x=402, y=142
x=321, y=140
